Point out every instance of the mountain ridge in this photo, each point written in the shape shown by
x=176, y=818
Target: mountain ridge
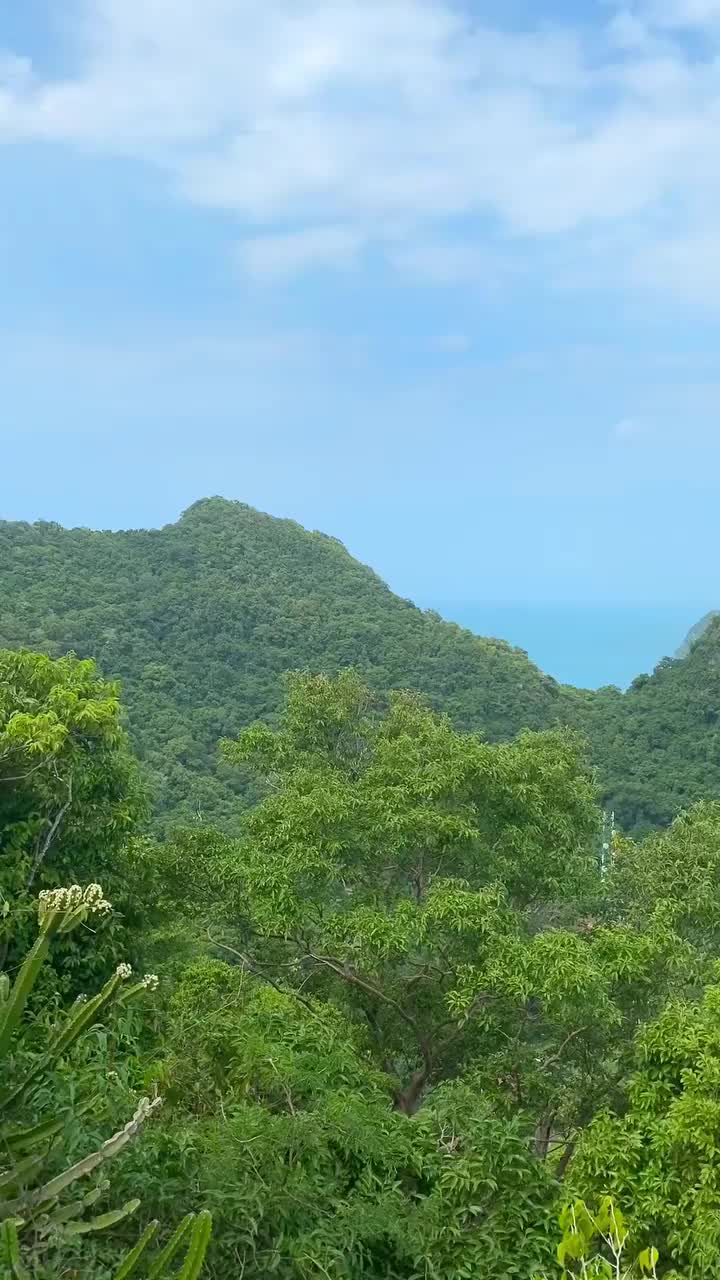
x=201, y=618
x=696, y=633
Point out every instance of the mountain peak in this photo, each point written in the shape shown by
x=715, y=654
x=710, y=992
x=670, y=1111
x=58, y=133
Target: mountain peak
x=215, y=506
x=201, y=619
x=697, y=632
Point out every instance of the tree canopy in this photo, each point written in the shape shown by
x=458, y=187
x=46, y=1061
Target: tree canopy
x=414, y=1021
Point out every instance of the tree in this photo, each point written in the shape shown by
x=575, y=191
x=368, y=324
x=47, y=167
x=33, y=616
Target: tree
x=437, y=887
x=69, y=787
x=657, y=1151
x=281, y=1113
x=70, y=791
x=676, y=872
x=593, y=1245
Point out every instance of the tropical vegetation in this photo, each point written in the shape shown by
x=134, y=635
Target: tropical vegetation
x=410, y=1006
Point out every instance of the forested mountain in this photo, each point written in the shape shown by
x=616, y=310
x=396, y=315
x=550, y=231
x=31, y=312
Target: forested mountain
x=201, y=620
x=658, y=745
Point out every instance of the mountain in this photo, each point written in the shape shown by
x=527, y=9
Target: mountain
x=695, y=633
x=201, y=619
x=658, y=747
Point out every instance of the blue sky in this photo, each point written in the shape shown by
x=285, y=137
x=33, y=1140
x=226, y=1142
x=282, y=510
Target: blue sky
x=441, y=279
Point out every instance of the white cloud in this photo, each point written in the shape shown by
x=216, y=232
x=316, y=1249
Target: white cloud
x=684, y=13
x=447, y=262
x=288, y=253
x=456, y=147
x=689, y=266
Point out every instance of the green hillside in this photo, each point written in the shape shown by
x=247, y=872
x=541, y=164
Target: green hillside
x=658, y=745
x=202, y=618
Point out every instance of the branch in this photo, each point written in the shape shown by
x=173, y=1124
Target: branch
x=265, y=977
x=426, y=969
x=543, y=1135
x=550, y=1062
x=40, y=855
x=565, y=1159
x=406, y=1100
x=353, y=978
x=21, y=777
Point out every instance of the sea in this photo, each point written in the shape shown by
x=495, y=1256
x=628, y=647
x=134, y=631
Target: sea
x=588, y=645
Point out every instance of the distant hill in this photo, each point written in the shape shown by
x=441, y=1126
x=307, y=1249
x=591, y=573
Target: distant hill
x=695, y=633
x=658, y=746
x=201, y=619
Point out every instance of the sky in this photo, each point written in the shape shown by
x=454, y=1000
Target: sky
x=440, y=278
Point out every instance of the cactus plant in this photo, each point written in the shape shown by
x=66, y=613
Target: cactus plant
x=33, y=1207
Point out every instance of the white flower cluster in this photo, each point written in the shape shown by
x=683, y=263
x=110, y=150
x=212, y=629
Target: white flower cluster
x=123, y=971
x=94, y=899
x=150, y=981
x=91, y=900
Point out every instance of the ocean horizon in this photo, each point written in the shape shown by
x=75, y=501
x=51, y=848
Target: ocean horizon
x=588, y=645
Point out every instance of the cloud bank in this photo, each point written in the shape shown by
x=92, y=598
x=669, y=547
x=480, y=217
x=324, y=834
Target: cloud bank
x=406, y=128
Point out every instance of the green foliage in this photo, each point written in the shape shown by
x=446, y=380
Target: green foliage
x=36, y=1218
x=658, y=745
x=405, y=865
x=69, y=788
x=202, y=619
x=283, y=1116
x=658, y=1151
x=428, y=1019
x=70, y=792
x=439, y=886
x=427, y=1001
x=594, y=1245
x=678, y=868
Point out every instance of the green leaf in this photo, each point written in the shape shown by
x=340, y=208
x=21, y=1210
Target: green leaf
x=648, y=1259
x=572, y=1245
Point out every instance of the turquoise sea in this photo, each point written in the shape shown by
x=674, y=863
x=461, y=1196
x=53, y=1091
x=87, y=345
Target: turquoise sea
x=583, y=644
